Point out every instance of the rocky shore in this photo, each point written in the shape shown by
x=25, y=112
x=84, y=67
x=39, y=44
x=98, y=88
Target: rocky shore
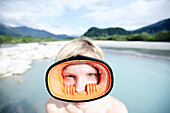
x=17, y=59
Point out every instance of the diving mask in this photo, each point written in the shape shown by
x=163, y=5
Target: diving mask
x=57, y=89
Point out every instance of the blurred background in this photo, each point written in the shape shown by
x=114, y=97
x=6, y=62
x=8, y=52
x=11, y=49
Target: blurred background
x=134, y=35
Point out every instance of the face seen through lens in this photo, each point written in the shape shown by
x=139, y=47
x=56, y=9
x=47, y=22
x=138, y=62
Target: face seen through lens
x=80, y=75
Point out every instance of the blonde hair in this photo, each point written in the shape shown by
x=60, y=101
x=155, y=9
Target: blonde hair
x=77, y=47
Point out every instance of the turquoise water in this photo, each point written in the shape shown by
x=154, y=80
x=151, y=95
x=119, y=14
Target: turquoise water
x=142, y=83
x=25, y=93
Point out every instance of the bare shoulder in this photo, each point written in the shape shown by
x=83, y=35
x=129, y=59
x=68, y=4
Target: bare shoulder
x=53, y=105
x=116, y=105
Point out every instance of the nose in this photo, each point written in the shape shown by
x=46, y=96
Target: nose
x=81, y=85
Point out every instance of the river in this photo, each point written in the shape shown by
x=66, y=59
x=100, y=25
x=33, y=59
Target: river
x=141, y=82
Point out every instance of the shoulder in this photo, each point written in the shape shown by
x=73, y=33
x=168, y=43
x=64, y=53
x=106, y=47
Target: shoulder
x=53, y=105
x=116, y=105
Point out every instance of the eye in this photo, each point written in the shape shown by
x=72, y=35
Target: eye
x=91, y=75
x=69, y=76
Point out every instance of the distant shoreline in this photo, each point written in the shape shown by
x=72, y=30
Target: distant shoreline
x=156, y=50
x=17, y=59
x=135, y=44
x=118, y=44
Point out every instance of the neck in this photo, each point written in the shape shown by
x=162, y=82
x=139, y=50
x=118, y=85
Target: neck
x=81, y=107
x=73, y=107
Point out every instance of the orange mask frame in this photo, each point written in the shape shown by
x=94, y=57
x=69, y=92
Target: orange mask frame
x=56, y=88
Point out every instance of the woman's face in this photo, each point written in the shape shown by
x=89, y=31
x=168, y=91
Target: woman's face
x=80, y=75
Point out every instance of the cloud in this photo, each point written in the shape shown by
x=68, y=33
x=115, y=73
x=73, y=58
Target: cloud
x=52, y=15
x=30, y=11
x=133, y=15
x=40, y=14
x=36, y=14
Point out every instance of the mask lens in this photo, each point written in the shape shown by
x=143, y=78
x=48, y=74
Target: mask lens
x=57, y=87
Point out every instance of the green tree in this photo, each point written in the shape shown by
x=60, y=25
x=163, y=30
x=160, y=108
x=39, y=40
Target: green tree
x=8, y=38
x=162, y=36
x=2, y=39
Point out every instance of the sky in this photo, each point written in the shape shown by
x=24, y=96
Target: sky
x=75, y=17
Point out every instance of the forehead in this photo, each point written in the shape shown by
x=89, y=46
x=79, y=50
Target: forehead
x=80, y=66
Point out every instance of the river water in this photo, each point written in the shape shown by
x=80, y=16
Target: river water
x=142, y=83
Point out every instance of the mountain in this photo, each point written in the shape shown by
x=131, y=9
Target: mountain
x=9, y=30
x=92, y=32
x=95, y=32
x=23, y=31
x=39, y=33
x=154, y=28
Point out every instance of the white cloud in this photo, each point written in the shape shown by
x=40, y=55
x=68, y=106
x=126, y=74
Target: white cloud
x=55, y=28
x=19, y=9
x=46, y=14
x=134, y=15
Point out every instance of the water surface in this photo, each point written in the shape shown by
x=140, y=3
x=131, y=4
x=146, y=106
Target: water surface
x=142, y=83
